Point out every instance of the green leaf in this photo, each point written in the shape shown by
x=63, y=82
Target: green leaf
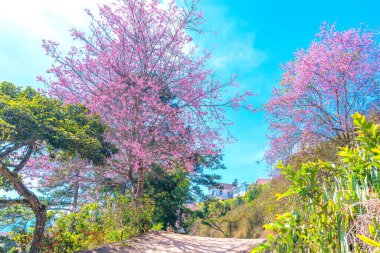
x=368, y=241
x=371, y=230
x=285, y=194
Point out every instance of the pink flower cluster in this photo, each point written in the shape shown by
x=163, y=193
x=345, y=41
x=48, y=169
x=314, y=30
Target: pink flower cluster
x=321, y=88
x=139, y=70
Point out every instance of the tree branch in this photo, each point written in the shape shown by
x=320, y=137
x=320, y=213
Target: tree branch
x=24, y=160
x=10, y=150
x=12, y=202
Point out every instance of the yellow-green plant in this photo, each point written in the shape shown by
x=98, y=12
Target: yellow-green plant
x=335, y=203
x=125, y=218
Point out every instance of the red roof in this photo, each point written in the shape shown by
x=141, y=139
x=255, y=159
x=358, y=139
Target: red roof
x=262, y=181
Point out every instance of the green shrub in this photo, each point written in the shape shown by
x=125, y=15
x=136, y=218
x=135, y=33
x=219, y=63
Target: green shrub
x=120, y=218
x=158, y=227
x=335, y=203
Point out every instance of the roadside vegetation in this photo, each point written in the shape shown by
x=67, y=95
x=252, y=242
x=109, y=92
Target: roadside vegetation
x=132, y=125
x=241, y=217
x=337, y=205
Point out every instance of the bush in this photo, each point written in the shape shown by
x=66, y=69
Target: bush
x=119, y=219
x=339, y=206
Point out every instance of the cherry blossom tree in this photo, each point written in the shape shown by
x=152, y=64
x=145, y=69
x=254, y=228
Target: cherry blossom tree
x=321, y=88
x=139, y=69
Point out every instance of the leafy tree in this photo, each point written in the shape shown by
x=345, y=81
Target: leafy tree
x=70, y=183
x=213, y=214
x=170, y=191
x=139, y=70
x=16, y=218
x=202, y=174
x=34, y=125
x=335, y=77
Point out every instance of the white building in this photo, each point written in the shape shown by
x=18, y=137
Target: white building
x=228, y=191
x=240, y=191
x=225, y=191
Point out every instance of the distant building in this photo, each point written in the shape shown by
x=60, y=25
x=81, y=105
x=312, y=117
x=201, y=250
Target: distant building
x=223, y=191
x=240, y=191
x=262, y=181
x=228, y=191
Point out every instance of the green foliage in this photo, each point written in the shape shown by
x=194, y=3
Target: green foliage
x=336, y=204
x=16, y=218
x=200, y=175
x=32, y=123
x=169, y=191
x=120, y=218
x=253, y=193
x=158, y=227
x=213, y=213
x=125, y=218
x=368, y=241
x=28, y=117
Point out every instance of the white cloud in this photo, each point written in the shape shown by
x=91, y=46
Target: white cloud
x=239, y=52
x=24, y=23
x=44, y=18
x=234, y=42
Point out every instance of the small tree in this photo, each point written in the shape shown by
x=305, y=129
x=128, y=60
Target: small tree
x=67, y=183
x=171, y=190
x=139, y=70
x=31, y=124
x=335, y=77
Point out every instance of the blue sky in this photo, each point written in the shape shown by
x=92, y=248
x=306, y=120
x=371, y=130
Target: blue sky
x=258, y=36
x=252, y=39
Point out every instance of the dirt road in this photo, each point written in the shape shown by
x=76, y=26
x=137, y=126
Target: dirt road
x=171, y=242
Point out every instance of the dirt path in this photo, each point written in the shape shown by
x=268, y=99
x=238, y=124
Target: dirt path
x=171, y=242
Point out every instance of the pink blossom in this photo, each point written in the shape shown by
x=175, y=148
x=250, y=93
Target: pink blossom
x=335, y=77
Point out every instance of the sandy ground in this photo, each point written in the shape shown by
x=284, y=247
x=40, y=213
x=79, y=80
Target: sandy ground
x=171, y=242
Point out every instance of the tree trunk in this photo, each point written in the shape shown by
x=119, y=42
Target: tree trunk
x=39, y=229
x=123, y=189
x=75, y=197
x=74, y=204
x=132, y=181
x=140, y=186
x=38, y=208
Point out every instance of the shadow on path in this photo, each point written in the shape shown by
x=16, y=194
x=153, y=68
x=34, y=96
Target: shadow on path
x=171, y=242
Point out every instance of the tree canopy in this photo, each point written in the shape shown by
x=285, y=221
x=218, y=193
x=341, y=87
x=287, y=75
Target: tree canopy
x=138, y=69
x=338, y=75
x=33, y=126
